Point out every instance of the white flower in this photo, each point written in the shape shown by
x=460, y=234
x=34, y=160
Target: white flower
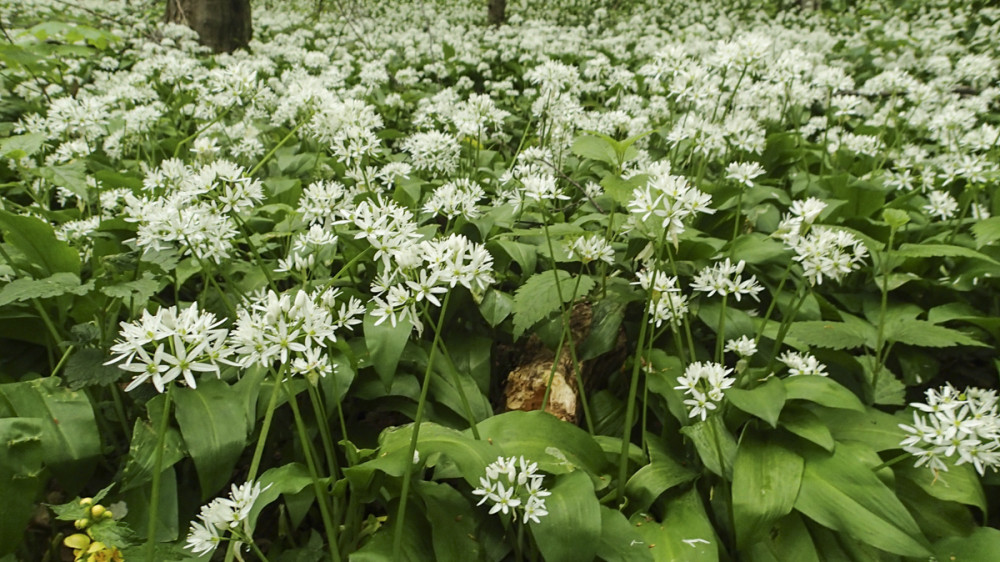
x=704, y=382
x=512, y=483
x=744, y=172
x=941, y=205
x=952, y=423
x=744, y=346
x=802, y=364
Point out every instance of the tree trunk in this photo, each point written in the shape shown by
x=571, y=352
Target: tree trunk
x=222, y=25
x=497, y=11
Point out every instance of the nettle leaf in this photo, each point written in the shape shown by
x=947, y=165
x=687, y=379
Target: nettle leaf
x=766, y=479
x=71, y=176
x=841, y=492
x=986, y=231
x=828, y=334
x=86, y=368
x=24, y=289
x=594, y=148
x=539, y=296
x=21, y=476
x=940, y=251
x=922, y=333
x=140, y=289
x=19, y=146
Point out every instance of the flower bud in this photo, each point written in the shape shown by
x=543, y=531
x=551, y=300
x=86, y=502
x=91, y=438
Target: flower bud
x=97, y=511
x=86, y=501
x=81, y=524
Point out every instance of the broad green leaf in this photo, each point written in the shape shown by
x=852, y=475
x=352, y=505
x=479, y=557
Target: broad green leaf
x=685, y=533
x=840, y=492
x=922, y=333
x=808, y=426
x=541, y=293
x=139, y=290
x=385, y=344
x=756, y=248
x=556, y=446
x=21, y=476
x=986, y=231
x=828, y=334
x=620, y=540
x=738, y=322
x=766, y=479
x=983, y=544
x=86, y=368
x=605, y=327
x=137, y=500
x=285, y=480
x=57, y=285
x=595, y=148
x=71, y=176
x=417, y=545
x=936, y=518
x=496, y=307
x=19, y=146
x=765, y=401
x=652, y=480
x=44, y=254
x=823, y=391
x=71, y=441
x=958, y=484
x=787, y=539
x=214, y=427
x=940, y=251
x=710, y=438
x=141, y=454
x=524, y=255
x=622, y=190
x=571, y=529
x=456, y=539
x=876, y=429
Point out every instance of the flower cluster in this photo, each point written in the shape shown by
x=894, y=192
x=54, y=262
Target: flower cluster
x=170, y=344
x=666, y=303
x=665, y=203
x=802, y=364
x=704, y=383
x=513, y=484
x=725, y=278
x=222, y=515
x=954, y=424
x=828, y=253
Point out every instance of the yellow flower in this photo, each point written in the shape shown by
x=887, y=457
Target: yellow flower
x=84, y=549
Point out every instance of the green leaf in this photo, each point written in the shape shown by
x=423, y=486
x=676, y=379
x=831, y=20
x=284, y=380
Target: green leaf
x=922, y=333
x=287, y=479
x=569, y=531
x=540, y=295
x=982, y=544
x=652, y=480
x=756, y=247
x=556, y=446
x=141, y=454
x=787, y=539
x=57, y=285
x=876, y=429
x=21, y=477
x=958, y=484
x=986, y=231
x=840, y=492
x=385, y=344
x=71, y=176
x=685, y=534
x=620, y=540
x=828, y=334
x=808, y=426
x=823, y=391
x=140, y=290
x=605, y=327
x=622, y=190
x=19, y=146
x=940, y=251
x=766, y=479
x=457, y=539
x=496, y=307
x=524, y=255
x=137, y=500
x=711, y=438
x=765, y=401
x=43, y=253
x=86, y=368
x=70, y=440
x=214, y=427
x=595, y=148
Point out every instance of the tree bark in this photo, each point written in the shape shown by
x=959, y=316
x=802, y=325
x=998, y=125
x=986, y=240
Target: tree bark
x=222, y=25
x=497, y=11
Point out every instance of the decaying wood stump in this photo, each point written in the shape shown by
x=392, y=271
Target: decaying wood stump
x=526, y=383
x=223, y=25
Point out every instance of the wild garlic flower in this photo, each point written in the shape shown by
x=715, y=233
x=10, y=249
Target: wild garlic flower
x=828, y=253
x=433, y=151
x=666, y=202
x=704, y=383
x=591, y=248
x=511, y=484
x=954, y=424
x=744, y=173
x=171, y=344
x=742, y=346
x=456, y=198
x=940, y=204
x=802, y=364
x=223, y=515
x=725, y=278
x=666, y=303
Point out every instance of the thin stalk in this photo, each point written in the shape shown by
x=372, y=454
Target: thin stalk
x=786, y=323
x=880, y=357
x=321, y=493
x=324, y=432
x=720, y=336
x=154, y=498
x=276, y=147
x=630, y=405
x=458, y=386
x=397, y=537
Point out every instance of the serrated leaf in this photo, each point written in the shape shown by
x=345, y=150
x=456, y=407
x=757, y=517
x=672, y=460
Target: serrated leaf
x=540, y=295
x=986, y=231
x=828, y=335
x=940, y=251
x=140, y=289
x=86, y=368
x=71, y=176
x=24, y=289
x=19, y=146
x=922, y=333
x=594, y=148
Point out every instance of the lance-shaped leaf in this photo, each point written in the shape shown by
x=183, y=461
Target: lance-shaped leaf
x=766, y=479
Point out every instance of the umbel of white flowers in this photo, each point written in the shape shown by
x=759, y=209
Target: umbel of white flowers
x=513, y=484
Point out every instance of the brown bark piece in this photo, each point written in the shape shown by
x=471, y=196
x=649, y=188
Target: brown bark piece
x=222, y=25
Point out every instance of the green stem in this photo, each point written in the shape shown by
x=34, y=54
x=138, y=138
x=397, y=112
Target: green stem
x=276, y=147
x=880, y=355
x=786, y=323
x=154, y=498
x=397, y=536
x=457, y=381
x=324, y=431
x=630, y=404
x=258, y=452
